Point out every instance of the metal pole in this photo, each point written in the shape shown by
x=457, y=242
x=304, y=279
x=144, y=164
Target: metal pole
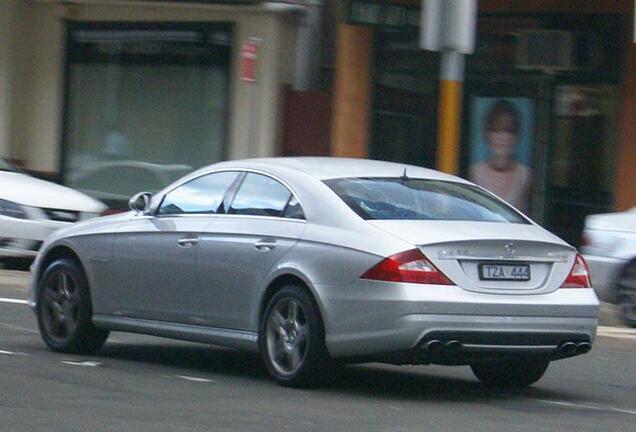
x=450, y=112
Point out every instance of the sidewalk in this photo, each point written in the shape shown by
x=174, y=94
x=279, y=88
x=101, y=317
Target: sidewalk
x=608, y=315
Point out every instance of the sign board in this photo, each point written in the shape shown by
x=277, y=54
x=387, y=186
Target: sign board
x=382, y=13
x=448, y=25
x=249, y=60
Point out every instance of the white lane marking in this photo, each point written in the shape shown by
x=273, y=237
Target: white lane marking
x=84, y=363
x=195, y=379
x=12, y=353
x=618, y=336
x=614, y=330
x=587, y=406
x=13, y=300
x=15, y=327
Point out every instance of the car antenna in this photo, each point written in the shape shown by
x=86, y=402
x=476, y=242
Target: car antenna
x=404, y=176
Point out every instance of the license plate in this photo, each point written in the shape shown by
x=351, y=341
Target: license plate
x=504, y=272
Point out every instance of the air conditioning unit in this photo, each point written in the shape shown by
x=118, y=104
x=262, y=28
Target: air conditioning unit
x=557, y=50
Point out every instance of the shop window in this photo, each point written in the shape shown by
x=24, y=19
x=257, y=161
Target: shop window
x=151, y=94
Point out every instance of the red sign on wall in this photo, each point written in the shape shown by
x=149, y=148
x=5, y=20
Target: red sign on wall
x=249, y=60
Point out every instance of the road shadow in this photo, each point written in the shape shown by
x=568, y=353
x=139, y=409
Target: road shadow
x=363, y=380
x=188, y=357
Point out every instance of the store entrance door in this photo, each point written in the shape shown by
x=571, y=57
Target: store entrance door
x=581, y=162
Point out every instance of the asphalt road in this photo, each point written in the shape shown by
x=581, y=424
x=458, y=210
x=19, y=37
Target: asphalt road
x=139, y=383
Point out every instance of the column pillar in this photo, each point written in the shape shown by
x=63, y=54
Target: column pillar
x=625, y=174
x=351, y=124
x=7, y=19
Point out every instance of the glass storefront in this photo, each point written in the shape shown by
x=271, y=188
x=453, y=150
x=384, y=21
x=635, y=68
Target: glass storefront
x=145, y=104
x=540, y=105
x=404, y=99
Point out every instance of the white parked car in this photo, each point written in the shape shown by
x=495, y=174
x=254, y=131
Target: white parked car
x=31, y=209
x=609, y=246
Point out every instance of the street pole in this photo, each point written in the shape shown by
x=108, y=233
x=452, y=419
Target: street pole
x=448, y=26
x=450, y=112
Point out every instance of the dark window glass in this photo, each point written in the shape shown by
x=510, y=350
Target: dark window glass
x=120, y=180
x=261, y=196
x=293, y=209
x=417, y=199
x=201, y=195
x=170, y=78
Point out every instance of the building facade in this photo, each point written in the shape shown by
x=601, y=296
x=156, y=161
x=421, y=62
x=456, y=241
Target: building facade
x=553, y=78
x=105, y=95
x=110, y=96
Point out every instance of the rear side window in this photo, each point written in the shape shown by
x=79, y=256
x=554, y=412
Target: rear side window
x=203, y=195
x=260, y=195
x=419, y=199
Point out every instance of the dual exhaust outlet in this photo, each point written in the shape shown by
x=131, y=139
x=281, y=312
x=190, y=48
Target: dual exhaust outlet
x=437, y=345
x=567, y=348
x=572, y=348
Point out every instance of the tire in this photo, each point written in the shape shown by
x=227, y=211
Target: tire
x=626, y=294
x=292, y=338
x=64, y=310
x=511, y=374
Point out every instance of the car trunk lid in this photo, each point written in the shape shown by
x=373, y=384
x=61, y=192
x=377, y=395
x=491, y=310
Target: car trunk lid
x=500, y=258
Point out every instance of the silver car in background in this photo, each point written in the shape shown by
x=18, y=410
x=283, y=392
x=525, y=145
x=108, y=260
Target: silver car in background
x=306, y=260
x=609, y=245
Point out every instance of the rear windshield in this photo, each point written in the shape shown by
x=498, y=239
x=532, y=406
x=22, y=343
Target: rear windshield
x=418, y=199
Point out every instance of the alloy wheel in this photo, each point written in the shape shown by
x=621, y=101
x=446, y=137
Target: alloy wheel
x=60, y=306
x=287, y=336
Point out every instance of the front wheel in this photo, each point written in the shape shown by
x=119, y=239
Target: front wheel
x=64, y=310
x=511, y=374
x=292, y=340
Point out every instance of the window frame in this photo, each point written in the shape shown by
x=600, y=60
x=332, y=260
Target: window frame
x=228, y=26
x=155, y=212
x=245, y=172
x=230, y=194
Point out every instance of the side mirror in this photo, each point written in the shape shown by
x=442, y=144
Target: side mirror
x=140, y=202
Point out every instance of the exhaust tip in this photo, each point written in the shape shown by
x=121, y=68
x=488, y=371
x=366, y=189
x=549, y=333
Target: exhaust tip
x=434, y=345
x=583, y=347
x=453, y=345
x=568, y=348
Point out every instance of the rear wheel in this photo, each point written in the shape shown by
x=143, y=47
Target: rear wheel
x=512, y=373
x=292, y=340
x=626, y=294
x=64, y=310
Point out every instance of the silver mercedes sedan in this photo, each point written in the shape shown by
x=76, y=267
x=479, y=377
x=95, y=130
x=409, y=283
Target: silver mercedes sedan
x=311, y=260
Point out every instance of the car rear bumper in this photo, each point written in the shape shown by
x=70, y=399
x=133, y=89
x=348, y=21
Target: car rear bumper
x=604, y=272
x=403, y=318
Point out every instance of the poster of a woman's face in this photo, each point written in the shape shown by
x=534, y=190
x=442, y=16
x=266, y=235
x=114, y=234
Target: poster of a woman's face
x=501, y=140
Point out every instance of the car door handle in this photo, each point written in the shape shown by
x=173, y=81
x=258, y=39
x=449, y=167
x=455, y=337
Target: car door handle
x=187, y=242
x=265, y=245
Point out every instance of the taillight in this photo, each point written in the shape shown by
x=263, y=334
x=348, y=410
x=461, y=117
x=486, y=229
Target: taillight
x=579, y=276
x=410, y=266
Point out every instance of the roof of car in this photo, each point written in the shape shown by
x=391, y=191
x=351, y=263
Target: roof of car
x=324, y=168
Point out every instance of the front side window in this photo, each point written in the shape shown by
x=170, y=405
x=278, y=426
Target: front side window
x=260, y=195
x=419, y=199
x=203, y=195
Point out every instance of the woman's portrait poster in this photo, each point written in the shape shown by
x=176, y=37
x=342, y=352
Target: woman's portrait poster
x=501, y=140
